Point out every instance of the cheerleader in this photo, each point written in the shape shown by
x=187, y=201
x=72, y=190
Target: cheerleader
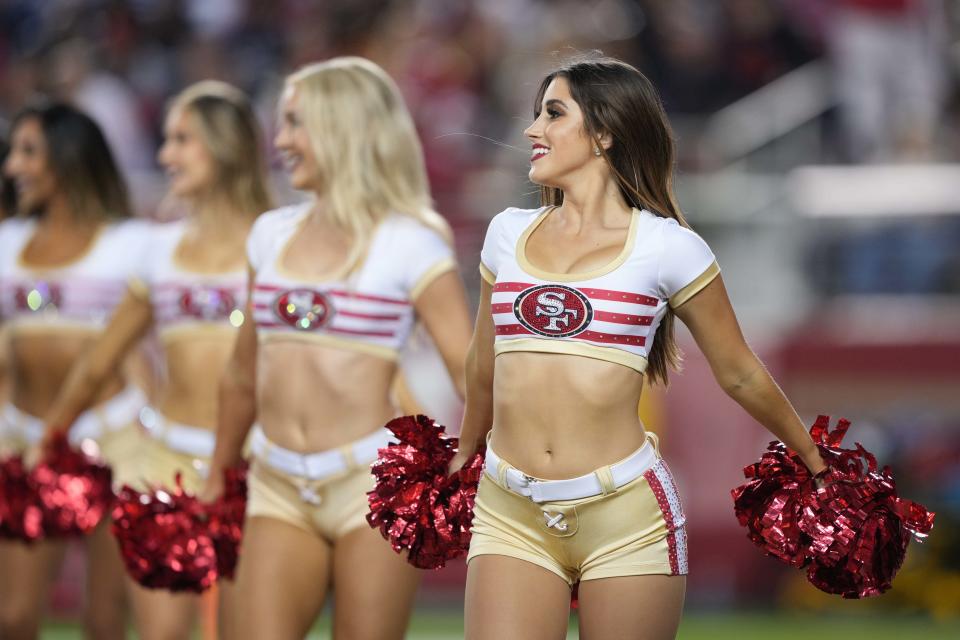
x=336, y=284
x=577, y=308
x=191, y=289
x=64, y=263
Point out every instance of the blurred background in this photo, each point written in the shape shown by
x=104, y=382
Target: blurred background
x=818, y=155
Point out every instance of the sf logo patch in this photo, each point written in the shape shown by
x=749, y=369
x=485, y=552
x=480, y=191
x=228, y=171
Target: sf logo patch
x=553, y=310
x=304, y=309
x=207, y=303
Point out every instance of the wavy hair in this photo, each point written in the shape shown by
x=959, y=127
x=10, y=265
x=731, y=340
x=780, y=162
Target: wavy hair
x=619, y=101
x=370, y=158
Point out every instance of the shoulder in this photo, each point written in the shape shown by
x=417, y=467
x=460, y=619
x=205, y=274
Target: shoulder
x=131, y=234
x=514, y=219
x=671, y=232
x=15, y=227
x=407, y=228
x=277, y=219
x=13, y=230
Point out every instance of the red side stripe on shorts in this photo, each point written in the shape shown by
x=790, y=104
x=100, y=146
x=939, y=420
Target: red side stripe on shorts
x=668, y=516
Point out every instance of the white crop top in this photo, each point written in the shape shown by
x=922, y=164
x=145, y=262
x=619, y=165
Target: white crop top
x=370, y=311
x=610, y=313
x=78, y=295
x=186, y=302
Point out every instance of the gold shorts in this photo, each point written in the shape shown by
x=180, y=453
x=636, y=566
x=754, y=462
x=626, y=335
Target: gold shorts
x=328, y=508
x=157, y=465
x=122, y=450
x=637, y=529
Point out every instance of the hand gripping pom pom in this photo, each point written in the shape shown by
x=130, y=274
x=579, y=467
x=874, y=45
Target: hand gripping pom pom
x=66, y=494
x=851, y=535
x=170, y=540
x=416, y=505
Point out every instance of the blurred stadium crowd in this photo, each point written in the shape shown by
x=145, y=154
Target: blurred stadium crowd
x=756, y=89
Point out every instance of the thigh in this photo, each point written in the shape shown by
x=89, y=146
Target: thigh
x=227, y=609
x=374, y=587
x=106, y=584
x=633, y=607
x=163, y=615
x=510, y=598
x=26, y=575
x=281, y=580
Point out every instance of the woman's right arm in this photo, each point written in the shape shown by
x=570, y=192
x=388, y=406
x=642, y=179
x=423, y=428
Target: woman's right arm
x=237, y=406
x=130, y=321
x=478, y=409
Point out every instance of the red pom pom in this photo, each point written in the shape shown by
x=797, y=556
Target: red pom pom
x=170, y=540
x=20, y=515
x=416, y=505
x=226, y=521
x=75, y=491
x=770, y=504
x=852, y=534
x=66, y=494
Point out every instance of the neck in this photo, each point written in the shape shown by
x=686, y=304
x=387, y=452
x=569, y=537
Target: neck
x=594, y=199
x=213, y=211
x=58, y=214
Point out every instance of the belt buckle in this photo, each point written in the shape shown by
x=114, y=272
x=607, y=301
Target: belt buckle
x=534, y=486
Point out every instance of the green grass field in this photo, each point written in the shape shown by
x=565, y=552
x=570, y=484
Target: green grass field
x=448, y=625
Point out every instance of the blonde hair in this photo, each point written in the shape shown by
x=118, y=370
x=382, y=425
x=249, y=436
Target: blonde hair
x=370, y=158
x=229, y=129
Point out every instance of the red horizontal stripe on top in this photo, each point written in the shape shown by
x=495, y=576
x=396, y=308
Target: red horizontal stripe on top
x=623, y=318
x=590, y=336
x=369, y=316
x=350, y=295
x=594, y=294
x=511, y=329
x=353, y=295
x=186, y=284
x=360, y=332
x=271, y=324
x=501, y=307
x=502, y=287
x=610, y=338
x=620, y=296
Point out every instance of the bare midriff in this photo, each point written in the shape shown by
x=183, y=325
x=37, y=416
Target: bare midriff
x=312, y=397
x=560, y=416
x=194, y=366
x=40, y=362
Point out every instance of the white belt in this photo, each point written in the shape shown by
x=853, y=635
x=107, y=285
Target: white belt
x=116, y=413
x=317, y=466
x=621, y=473
x=182, y=438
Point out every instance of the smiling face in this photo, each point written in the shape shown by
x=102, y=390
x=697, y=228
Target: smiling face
x=27, y=166
x=293, y=143
x=561, y=145
x=184, y=155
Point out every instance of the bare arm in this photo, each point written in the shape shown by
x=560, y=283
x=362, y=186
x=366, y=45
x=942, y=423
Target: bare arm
x=442, y=307
x=237, y=402
x=739, y=372
x=130, y=321
x=478, y=412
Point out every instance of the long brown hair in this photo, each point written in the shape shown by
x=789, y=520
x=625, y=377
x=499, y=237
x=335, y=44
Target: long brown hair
x=619, y=101
x=229, y=129
x=80, y=158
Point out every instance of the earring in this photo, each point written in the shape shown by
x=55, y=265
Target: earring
x=596, y=151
